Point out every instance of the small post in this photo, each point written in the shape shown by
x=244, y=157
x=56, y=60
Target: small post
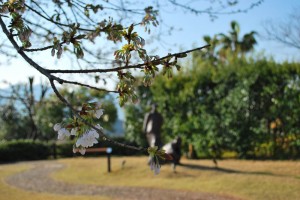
x=108, y=152
x=54, y=150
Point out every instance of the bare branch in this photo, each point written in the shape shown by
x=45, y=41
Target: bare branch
x=210, y=11
x=286, y=32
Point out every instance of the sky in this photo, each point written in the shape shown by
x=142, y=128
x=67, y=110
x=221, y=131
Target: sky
x=192, y=29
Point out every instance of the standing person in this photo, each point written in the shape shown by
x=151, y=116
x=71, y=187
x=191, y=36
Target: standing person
x=152, y=127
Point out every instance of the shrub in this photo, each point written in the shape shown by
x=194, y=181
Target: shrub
x=17, y=150
x=20, y=150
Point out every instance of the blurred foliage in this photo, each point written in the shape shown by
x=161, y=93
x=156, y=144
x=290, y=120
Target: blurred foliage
x=17, y=150
x=20, y=150
x=247, y=106
x=27, y=116
x=228, y=101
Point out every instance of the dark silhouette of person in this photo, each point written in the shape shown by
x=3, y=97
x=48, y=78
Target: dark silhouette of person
x=152, y=127
x=173, y=148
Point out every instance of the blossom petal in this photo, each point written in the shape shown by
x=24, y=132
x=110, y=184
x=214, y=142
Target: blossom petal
x=73, y=131
x=99, y=113
x=82, y=151
x=57, y=127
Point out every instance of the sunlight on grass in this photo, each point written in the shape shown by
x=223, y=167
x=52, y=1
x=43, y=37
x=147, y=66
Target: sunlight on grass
x=8, y=192
x=257, y=180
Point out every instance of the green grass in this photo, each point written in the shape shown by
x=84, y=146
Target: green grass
x=257, y=180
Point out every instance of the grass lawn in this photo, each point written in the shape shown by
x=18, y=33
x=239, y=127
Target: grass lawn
x=249, y=180
x=255, y=180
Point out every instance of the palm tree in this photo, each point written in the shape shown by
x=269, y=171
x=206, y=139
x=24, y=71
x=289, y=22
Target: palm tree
x=232, y=44
x=223, y=45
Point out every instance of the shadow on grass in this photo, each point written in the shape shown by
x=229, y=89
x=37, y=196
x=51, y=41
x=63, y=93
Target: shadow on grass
x=225, y=170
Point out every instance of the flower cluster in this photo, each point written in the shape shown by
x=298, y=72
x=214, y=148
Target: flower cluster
x=99, y=112
x=56, y=46
x=24, y=34
x=85, y=135
x=88, y=139
x=62, y=132
x=156, y=154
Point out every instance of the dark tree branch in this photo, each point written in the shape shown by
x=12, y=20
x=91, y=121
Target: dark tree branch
x=138, y=66
x=88, y=86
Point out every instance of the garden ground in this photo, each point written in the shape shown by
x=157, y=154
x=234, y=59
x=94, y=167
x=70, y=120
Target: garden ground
x=87, y=178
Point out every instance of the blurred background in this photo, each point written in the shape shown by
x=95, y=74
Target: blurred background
x=235, y=105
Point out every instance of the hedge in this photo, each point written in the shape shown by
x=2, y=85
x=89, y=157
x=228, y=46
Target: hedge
x=20, y=150
x=17, y=150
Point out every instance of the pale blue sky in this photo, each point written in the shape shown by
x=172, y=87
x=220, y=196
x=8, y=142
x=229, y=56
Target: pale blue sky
x=194, y=27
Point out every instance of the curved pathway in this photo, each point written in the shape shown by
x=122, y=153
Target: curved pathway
x=37, y=179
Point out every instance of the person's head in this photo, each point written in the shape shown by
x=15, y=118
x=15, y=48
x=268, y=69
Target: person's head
x=177, y=140
x=154, y=107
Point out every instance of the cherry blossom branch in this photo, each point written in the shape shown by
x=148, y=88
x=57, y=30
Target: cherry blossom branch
x=138, y=66
x=42, y=70
x=52, y=21
x=51, y=79
x=42, y=48
x=25, y=57
x=104, y=137
x=69, y=25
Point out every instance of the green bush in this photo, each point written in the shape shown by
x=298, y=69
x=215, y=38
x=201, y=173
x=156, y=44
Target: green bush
x=63, y=149
x=17, y=150
x=20, y=150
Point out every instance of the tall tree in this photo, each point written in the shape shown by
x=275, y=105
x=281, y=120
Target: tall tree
x=27, y=115
x=24, y=102
x=234, y=44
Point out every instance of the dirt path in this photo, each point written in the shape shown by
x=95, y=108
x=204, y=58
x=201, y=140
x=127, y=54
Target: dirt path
x=37, y=179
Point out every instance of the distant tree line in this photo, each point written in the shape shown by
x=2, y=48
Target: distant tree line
x=29, y=111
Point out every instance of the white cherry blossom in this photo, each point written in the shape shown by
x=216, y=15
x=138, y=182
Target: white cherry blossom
x=73, y=131
x=89, y=138
x=154, y=166
x=82, y=151
x=57, y=127
x=99, y=113
x=63, y=134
